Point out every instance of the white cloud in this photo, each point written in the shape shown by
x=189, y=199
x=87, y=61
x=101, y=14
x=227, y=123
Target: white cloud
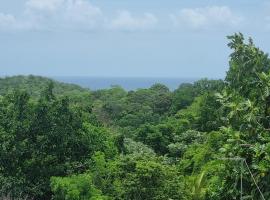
x=206, y=17
x=126, y=21
x=44, y=5
x=10, y=22
x=7, y=20
x=63, y=14
x=82, y=11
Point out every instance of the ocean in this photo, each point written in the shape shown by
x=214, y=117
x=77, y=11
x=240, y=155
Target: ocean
x=96, y=83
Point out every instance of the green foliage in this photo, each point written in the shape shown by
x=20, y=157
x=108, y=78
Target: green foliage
x=198, y=192
x=146, y=180
x=34, y=85
x=44, y=138
x=186, y=93
x=183, y=96
x=247, y=61
x=135, y=176
x=157, y=137
x=78, y=187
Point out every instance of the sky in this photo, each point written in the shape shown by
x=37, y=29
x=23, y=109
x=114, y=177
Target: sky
x=126, y=38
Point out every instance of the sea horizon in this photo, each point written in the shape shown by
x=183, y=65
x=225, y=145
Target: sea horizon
x=127, y=83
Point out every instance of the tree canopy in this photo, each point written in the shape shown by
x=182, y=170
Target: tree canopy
x=205, y=140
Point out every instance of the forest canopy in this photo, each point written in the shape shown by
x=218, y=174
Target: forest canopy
x=205, y=140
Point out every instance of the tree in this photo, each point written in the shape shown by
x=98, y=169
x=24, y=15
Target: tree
x=247, y=61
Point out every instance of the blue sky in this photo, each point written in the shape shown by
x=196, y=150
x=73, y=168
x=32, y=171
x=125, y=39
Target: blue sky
x=124, y=38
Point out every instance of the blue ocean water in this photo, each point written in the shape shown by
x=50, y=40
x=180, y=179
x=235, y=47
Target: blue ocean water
x=95, y=83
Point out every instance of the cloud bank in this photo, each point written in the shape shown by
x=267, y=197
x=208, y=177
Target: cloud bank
x=126, y=21
x=206, y=17
x=83, y=15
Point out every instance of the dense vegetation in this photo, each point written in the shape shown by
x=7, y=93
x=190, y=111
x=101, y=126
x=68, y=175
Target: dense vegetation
x=203, y=141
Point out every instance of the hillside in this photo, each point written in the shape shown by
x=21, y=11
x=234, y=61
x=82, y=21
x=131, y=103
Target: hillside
x=34, y=85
